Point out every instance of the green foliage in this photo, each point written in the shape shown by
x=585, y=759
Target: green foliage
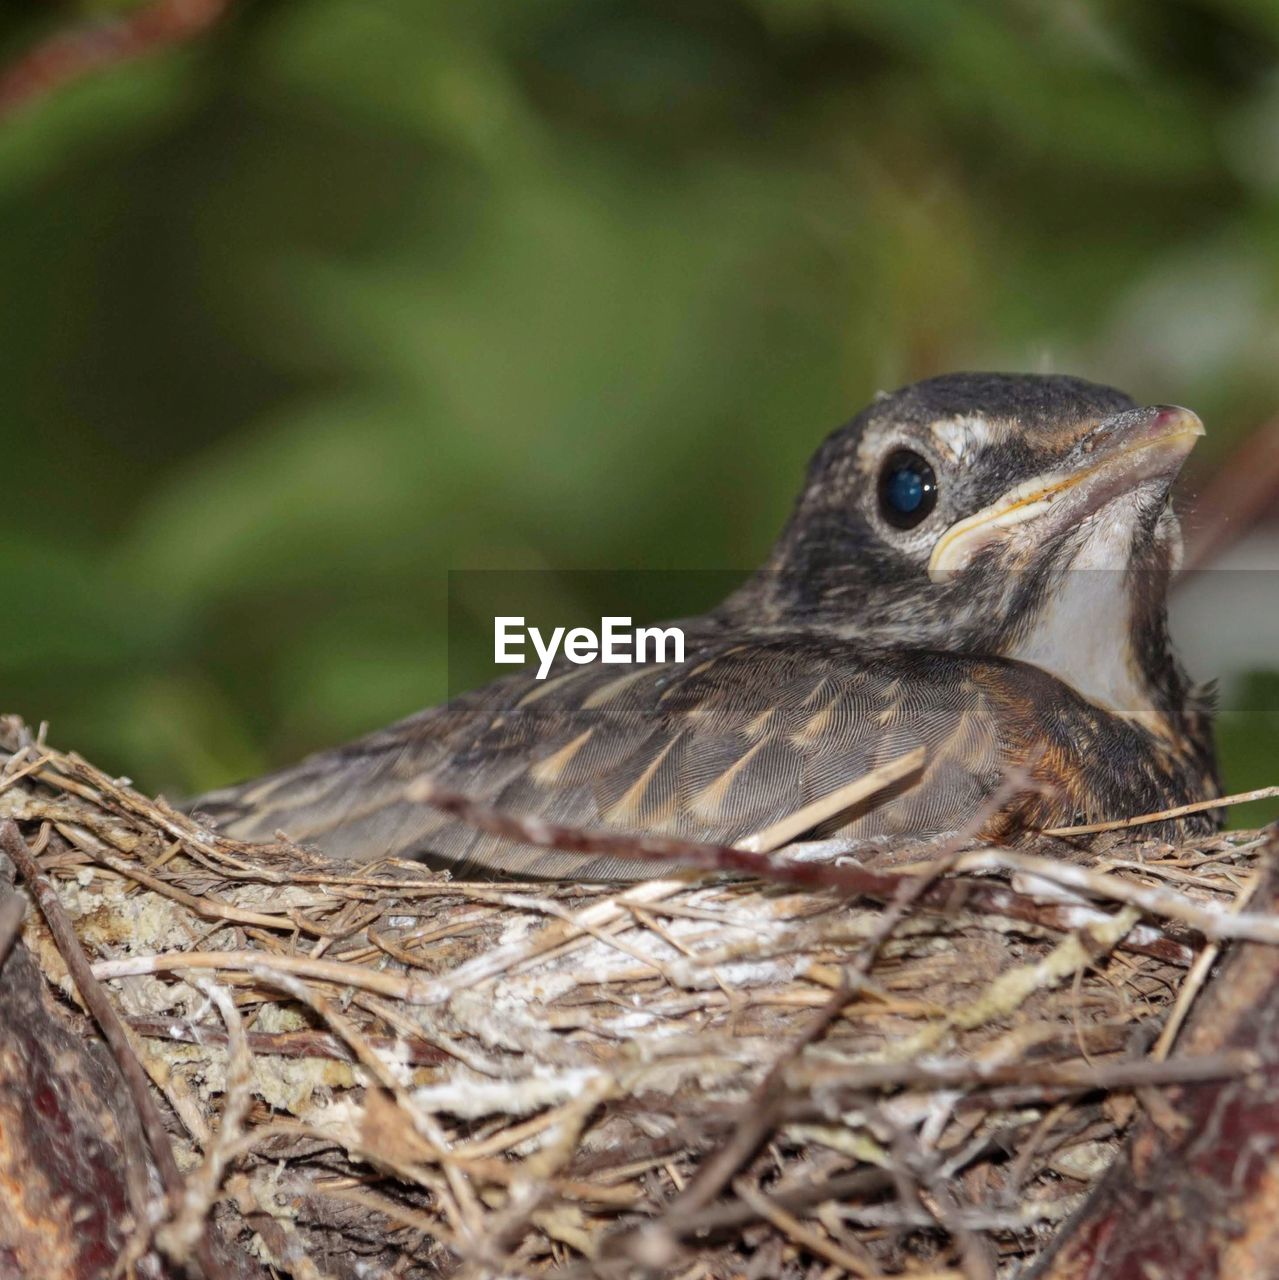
x=347, y=294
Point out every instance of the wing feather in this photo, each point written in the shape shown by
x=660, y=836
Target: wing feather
x=729, y=742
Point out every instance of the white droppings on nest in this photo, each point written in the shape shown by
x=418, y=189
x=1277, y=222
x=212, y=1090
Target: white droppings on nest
x=539, y=986
x=763, y=973
x=472, y=1097
x=516, y=929
x=628, y=1023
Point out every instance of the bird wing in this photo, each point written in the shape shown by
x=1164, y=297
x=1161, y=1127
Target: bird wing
x=740, y=735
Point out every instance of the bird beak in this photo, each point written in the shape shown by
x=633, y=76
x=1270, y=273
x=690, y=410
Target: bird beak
x=1120, y=453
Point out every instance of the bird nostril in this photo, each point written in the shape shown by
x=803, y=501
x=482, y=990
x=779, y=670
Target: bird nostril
x=1172, y=419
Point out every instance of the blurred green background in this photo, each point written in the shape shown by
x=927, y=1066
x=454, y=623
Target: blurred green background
x=347, y=293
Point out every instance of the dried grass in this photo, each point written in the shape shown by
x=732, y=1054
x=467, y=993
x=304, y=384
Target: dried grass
x=411, y=1076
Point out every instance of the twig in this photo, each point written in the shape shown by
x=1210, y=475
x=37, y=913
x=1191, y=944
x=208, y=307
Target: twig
x=976, y=1251
x=18, y=774
x=763, y=1110
x=178, y=1236
x=1165, y=815
x=461, y=1205
x=81, y=51
x=851, y=880
x=279, y=1234
x=973, y=1219
x=795, y=1230
x=861, y=1184
x=1212, y=922
x=285, y=1044
x=393, y=1211
x=206, y=905
x=548, y=941
x=835, y=802
x=966, y=1073
x=412, y=991
x=1196, y=978
x=758, y=1117
x=1243, y=489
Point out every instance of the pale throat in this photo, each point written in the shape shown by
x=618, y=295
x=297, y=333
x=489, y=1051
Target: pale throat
x=1084, y=632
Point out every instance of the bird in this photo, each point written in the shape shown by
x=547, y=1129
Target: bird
x=975, y=570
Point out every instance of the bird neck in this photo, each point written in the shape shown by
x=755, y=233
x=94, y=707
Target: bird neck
x=1104, y=633
x=1101, y=631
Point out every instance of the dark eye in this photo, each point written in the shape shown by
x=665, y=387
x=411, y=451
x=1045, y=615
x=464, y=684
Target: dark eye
x=907, y=489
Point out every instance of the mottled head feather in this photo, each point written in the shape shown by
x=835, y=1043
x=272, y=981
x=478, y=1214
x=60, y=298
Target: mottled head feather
x=1035, y=400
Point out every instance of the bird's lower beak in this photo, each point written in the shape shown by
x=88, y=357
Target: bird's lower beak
x=1119, y=454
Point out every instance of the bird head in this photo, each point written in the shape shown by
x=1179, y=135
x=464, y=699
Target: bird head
x=1009, y=515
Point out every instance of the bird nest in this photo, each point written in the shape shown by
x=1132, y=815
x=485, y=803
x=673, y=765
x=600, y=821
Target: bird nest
x=365, y=1070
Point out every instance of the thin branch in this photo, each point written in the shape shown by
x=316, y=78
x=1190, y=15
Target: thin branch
x=210, y=907
x=1243, y=491
x=839, y=1081
x=1197, y=977
x=410, y=990
x=803, y=1236
x=761, y=1111
x=835, y=802
x=285, y=1044
x=84, y=50
x=1164, y=815
x=1212, y=922
x=846, y=878
x=183, y=1232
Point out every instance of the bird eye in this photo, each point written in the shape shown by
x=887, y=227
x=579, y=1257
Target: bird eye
x=907, y=489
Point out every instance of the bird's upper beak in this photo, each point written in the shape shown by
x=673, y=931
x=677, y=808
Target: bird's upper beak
x=1116, y=456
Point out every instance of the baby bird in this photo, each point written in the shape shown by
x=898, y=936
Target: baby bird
x=977, y=565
